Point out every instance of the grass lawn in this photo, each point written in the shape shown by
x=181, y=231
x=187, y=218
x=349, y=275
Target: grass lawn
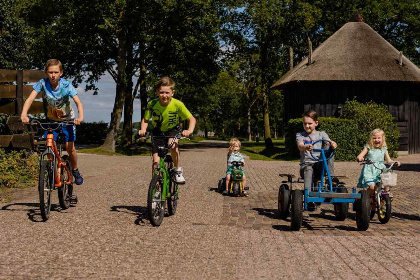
x=258, y=151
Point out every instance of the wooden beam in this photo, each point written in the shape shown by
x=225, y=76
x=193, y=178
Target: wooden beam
x=5, y=140
x=19, y=92
x=9, y=91
x=7, y=75
x=23, y=141
x=9, y=108
x=33, y=75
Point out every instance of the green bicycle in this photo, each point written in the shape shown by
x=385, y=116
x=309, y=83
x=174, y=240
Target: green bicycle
x=162, y=189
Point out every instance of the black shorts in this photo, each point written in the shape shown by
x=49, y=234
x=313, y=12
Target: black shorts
x=162, y=141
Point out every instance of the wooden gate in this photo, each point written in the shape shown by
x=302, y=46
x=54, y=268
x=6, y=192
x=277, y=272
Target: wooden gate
x=13, y=91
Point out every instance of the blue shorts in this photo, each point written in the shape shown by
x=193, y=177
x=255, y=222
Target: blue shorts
x=69, y=132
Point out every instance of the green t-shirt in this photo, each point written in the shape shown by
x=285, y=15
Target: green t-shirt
x=166, y=118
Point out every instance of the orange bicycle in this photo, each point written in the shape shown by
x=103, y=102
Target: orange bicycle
x=55, y=169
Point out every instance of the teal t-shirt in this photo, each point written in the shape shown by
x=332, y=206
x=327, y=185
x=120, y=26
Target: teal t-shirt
x=166, y=118
x=56, y=102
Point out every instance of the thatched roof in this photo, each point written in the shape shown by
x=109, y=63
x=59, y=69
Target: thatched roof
x=354, y=53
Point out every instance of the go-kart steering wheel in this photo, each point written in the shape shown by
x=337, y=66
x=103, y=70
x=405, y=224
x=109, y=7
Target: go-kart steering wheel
x=330, y=149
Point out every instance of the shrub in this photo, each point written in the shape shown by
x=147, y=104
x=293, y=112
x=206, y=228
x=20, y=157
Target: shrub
x=339, y=130
x=91, y=133
x=18, y=169
x=350, y=131
x=369, y=116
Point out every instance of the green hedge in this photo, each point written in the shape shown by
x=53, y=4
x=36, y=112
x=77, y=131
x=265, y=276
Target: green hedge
x=351, y=131
x=369, y=116
x=91, y=133
x=340, y=130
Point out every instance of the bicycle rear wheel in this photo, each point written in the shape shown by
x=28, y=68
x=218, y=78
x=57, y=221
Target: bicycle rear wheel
x=45, y=187
x=155, y=203
x=64, y=192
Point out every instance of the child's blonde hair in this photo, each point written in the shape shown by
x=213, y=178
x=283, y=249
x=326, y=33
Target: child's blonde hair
x=234, y=141
x=376, y=131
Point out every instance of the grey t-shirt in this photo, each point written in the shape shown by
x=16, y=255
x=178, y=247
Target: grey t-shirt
x=305, y=156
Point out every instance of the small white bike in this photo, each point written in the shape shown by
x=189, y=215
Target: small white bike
x=381, y=202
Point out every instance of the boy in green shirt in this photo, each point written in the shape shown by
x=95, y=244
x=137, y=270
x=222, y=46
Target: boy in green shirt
x=165, y=113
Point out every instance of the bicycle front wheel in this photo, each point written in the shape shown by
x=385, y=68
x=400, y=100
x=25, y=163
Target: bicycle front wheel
x=173, y=198
x=65, y=190
x=155, y=203
x=45, y=187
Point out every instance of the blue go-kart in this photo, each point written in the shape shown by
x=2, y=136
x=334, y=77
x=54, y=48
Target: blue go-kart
x=323, y=190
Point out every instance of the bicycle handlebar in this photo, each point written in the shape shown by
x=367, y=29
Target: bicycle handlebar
x=42, y=122
x=368, y=161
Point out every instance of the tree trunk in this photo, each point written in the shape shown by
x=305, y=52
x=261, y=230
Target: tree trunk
x=267, y=133
x=249, y=123
x=109, y=143
x=205, y=127
x=127, y=133
x=143, y=92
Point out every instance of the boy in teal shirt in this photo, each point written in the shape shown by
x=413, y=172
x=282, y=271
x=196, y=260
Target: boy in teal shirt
x=57, y=107
x=165, y=113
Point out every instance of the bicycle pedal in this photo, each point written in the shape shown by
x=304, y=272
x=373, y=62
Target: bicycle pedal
x=73, y=199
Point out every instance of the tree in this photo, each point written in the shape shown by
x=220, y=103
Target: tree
x=14, y=40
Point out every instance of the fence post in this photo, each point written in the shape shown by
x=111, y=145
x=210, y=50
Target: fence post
x=19, y=92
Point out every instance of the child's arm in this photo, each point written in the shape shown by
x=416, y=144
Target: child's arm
x=143, y=126
x=302, y=147
x=24, y=115
x=389, y=160
x=80, y=110
x=362, y=154
x=191, y=126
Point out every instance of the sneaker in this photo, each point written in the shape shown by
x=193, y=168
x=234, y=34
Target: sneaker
x=178, y=176
x=225, y=192
x=77, y=177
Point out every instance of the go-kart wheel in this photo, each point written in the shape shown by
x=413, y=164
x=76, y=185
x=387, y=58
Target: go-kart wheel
x=284, y=201
x=296, y=214
x=341, y=209
x=363, y=211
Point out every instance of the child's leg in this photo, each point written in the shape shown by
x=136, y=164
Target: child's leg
x=227, y=182
x=71, y=150
x=371, y=190
x=307, y=171
x=175, y=152
x=243, y=181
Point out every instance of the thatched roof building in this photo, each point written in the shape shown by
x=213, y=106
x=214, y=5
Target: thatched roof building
x=356, y=62
x=354, y=53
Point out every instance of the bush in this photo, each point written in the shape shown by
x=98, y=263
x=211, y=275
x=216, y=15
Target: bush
x=339, y=130
x=91, y=133
x=18, y=169
x=369, y=116
x=350, y=131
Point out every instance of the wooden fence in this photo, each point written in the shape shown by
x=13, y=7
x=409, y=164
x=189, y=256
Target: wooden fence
x=13, y=91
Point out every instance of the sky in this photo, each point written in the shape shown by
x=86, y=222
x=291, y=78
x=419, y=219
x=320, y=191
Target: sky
x=98, y=108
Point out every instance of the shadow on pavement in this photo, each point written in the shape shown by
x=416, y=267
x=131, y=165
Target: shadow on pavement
x=139, y=211
x=406, y=216
x=409, y=167
x=34, y=214
x=270, y=213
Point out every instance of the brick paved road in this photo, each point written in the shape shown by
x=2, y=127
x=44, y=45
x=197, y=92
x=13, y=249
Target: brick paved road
x=211, y=237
